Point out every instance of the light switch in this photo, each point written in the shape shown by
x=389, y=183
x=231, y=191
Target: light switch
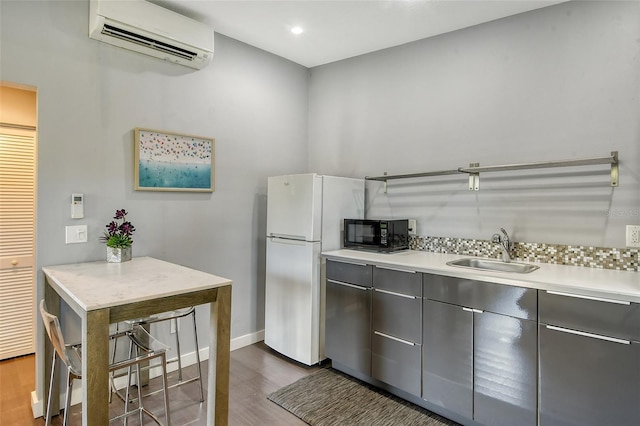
x=75, y=234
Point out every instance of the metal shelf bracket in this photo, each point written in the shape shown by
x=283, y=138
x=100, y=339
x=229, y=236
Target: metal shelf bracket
x=614, y=168
x=474, y=178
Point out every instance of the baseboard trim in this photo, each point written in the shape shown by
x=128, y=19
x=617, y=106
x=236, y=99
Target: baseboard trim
x=38, y=408
x=247, y=339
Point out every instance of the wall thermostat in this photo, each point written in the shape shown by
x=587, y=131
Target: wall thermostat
x=77, y=206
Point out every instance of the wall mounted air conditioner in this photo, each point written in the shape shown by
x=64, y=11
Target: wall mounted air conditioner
x=150, y=29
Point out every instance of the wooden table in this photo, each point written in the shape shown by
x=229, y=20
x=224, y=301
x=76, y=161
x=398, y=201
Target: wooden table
x=103, y=293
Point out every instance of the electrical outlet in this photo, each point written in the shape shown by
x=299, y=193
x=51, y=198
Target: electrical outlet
x=633, y=235
x=412, y=227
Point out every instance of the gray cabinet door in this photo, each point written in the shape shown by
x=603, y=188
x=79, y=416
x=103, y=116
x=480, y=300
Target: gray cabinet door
x=447, y=362
x=503, y=299
x=606, y=317
x=348, y=325
x=586, y=380
x=396, y=362
x=405, y=282
x=397, y=314
x=505, y=360
x=397, y=328
x=480, y=364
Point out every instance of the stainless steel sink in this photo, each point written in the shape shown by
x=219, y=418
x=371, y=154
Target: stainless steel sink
x=493, y=265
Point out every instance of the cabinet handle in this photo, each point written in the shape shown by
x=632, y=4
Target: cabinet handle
x=348, y=263
x=393, y=293
x=348, y=285
x=475, y=311
x=598, y=299
x=593, y=336
x=406, y=342
x=395, y=269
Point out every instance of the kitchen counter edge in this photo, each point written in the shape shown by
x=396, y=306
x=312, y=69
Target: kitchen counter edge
x=584, y=281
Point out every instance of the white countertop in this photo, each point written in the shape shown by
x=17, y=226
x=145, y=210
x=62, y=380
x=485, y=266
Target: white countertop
x=97, y=285
x=594, y=282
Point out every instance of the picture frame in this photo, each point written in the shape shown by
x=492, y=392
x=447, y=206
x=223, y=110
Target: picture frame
x=168, y=161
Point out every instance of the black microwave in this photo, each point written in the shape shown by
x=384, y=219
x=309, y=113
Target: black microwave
x=377, y=235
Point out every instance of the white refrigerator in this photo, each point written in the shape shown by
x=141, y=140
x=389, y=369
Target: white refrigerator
x=305, y=215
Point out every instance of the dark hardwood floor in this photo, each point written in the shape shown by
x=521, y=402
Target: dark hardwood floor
x=255, y=371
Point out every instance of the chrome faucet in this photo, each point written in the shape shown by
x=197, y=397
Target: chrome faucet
x=506, y=244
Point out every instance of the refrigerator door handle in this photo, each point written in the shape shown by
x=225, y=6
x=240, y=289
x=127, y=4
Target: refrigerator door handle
x=287, y=237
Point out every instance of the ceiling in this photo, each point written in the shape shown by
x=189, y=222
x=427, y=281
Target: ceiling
x=339, y=29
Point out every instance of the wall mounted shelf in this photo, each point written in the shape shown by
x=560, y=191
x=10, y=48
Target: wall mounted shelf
x=475, y=169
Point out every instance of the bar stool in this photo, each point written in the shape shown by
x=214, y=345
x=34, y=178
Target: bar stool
x=175, y=316
x=71, y=356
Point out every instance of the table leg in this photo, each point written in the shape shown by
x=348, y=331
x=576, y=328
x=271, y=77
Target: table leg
x=219, y=347
x=95, y=367
x=52, y=300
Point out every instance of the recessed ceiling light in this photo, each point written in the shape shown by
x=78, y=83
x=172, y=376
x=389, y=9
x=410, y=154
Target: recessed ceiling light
x=297, y=30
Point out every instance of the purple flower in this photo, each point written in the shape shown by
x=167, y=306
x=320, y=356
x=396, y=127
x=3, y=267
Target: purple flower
x=120, y=214
x=119, y=231
x=127, y=228
x=112, y=227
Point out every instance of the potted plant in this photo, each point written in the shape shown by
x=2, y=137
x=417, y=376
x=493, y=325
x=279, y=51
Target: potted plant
x=118, y=238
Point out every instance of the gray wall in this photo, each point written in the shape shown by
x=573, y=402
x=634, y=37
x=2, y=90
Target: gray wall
x=90, y=98
x=552, y=84
x=561, y=82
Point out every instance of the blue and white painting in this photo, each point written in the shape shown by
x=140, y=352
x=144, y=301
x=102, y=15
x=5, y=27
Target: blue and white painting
x=174, y=162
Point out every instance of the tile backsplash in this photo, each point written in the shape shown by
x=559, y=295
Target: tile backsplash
x=626, y=259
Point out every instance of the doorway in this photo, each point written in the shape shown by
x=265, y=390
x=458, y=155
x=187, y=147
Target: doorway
x=18, y=117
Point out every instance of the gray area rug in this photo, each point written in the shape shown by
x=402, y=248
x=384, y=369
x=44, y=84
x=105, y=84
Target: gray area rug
x=329, y=397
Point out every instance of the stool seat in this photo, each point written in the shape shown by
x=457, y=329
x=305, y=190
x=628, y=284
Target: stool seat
x=174, y=316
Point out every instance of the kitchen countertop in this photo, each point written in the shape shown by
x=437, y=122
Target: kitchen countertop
x=585, y=281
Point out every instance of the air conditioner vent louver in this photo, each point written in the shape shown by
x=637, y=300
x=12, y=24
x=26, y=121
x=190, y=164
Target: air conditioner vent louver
x=112, y=31
x=147, y=28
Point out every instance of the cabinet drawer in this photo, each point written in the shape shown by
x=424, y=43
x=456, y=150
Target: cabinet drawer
x=598, y=316
x=404, y=282
x=396, y=362
x=517, y=302
x=352, y=273
x=397, y=315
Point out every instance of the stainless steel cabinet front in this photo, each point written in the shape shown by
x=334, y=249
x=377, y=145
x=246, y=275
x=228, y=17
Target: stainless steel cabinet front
x=348, y=314
x=352, y=273
x=397, y=314
x=589, y=360
x=588, y=380
x=447, y=362
x=607, y=317
x=396, y=362
x=348, y=325
x=504, y=375
x=399, y=281
x=509, y=300
x=397, y=328
x=480, y=364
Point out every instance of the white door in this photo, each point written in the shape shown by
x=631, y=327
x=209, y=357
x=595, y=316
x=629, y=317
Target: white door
x=294, y=206
x=292, y=299
x=17, y=242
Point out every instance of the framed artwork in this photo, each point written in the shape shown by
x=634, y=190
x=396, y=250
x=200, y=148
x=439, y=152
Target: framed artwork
x=167, y=161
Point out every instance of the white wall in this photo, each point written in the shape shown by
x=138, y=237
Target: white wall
x=557, y=83
x=90, y=98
